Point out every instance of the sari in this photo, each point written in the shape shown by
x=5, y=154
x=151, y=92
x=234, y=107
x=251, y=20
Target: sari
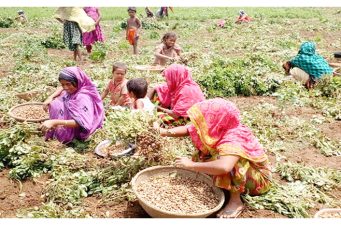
x=84, y=106
x=310, y=62
x=96, y=35
x=216, y=131
x=180, y=91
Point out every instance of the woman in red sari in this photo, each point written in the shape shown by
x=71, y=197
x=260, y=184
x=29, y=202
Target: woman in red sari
x=226, y=149
x=176, y=96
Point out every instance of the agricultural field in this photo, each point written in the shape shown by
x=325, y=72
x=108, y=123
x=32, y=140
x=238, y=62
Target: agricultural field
x=300, y=129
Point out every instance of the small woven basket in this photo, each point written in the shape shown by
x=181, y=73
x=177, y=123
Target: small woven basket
x=20, y=119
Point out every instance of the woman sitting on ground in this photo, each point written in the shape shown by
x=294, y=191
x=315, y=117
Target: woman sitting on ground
x=76, y=108
x=176, y=96
x=307, y=66
x=226, y=149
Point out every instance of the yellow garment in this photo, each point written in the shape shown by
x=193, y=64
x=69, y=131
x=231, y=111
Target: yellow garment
x=78, y=15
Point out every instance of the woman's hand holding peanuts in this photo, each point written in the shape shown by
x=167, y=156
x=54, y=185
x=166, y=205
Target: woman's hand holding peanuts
x=184, y=162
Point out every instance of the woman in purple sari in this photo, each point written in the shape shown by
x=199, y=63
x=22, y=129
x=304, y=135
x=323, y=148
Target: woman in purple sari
x=96, y=35
x=76, y=109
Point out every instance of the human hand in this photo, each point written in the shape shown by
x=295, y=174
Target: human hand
x=47, y=126
x=286, y=66
x=310, y=83
x=184, y=162
x=156, y=126
x=46, y=103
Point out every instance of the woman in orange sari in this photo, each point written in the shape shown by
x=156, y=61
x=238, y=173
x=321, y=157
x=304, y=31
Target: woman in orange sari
x=226, y=149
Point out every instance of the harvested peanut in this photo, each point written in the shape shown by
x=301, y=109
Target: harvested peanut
x=181, y=195
x=32, y=112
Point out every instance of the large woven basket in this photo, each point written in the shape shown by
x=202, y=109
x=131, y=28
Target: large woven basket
x=11, y=114
x=160, y=170
x=322, y=212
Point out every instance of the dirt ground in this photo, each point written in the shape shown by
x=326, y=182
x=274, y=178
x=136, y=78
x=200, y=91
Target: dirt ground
x=14, y=197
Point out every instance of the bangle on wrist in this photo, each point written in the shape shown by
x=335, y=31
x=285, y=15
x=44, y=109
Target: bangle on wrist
x=65, y=123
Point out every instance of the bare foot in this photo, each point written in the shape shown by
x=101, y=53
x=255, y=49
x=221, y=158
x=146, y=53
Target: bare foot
x=233, y=208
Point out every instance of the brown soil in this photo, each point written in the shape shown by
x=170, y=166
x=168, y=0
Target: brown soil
x=261, y=213
x=332, y=130
x=14, y=195
x=312, y=157
x=121, y=210
x=246, y=103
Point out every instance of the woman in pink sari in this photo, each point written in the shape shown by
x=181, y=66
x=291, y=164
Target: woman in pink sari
x=178, y=94
x=96, y=35
x=76, y=108
x=226, y=149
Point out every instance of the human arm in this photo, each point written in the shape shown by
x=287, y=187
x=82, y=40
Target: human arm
x=220, y=166
x=51, y=124
x=139, y=26
x=127, y=29
x=286, y=66
x=151, y=93
x=105, y=92
x=99, y=17
x=139, y=104
x=159, y=55
x=180, y=131
x=51, y=97
x=168, y=111
x=60, y=20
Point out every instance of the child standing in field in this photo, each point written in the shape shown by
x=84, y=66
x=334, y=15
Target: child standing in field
x=137, y=89
x=133, y=28
x=117, y=87
x=168, y=50
x=90, y=38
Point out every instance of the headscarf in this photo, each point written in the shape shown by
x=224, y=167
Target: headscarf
x=75, y=102
x=180, y=91
x=217, y=130
x=78, y=15
x=311, y=62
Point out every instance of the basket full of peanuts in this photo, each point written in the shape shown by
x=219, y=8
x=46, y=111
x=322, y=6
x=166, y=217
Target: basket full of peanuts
x=29, y=112
x=173, y=192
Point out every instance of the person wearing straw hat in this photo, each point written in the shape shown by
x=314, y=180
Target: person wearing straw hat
x=76, y=22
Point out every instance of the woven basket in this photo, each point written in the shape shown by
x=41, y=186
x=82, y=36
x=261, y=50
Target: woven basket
x=160, y=170
x=320, y=213
x=11, y=114
x=27, y=95
x=149, y=68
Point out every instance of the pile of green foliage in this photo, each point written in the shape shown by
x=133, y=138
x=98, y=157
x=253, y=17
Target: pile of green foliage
x=99, y=52
x=54, y=41
x=6, y=22
x=239, y=77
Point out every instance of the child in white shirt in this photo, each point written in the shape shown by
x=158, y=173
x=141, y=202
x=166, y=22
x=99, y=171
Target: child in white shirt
x=137, y=89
